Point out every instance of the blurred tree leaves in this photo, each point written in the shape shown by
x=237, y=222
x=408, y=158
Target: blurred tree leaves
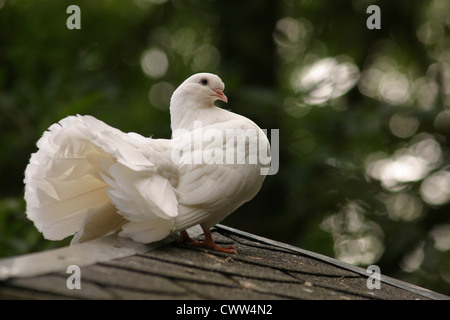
x=361, y=112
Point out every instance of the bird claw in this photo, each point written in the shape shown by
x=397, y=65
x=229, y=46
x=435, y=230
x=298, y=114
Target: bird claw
x=208, y=243
x=185, y=238
x=212, y=246
x=229, y=250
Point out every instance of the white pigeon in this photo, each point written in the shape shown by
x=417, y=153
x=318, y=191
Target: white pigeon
x=90, y=180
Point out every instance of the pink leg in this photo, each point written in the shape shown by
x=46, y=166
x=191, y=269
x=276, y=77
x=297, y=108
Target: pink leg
x=185, y=238
x=208, y=243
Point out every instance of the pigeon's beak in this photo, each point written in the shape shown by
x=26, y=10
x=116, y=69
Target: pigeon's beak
x=221, y=95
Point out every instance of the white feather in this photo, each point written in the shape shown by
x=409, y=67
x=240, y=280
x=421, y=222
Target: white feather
x=98, y=222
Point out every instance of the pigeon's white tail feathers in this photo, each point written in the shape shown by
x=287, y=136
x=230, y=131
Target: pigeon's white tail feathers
x=99, y=222
x=147, y=231
x=84, y=180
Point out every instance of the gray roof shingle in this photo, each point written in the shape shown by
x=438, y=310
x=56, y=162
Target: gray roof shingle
x=263, y=269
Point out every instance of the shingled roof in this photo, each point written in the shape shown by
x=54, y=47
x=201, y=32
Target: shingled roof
x=117, y=268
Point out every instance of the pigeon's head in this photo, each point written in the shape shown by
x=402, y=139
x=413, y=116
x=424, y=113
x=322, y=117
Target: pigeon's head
x=201, y=89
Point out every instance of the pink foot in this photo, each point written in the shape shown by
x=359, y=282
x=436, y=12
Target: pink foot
x=208, y=243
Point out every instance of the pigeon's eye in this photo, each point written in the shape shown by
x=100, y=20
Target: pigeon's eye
x=204, y=81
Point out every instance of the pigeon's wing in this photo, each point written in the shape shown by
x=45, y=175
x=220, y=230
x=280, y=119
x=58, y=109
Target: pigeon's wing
x=90, y=178
x=218, y=175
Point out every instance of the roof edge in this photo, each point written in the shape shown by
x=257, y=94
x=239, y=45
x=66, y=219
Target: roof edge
x=386, y=279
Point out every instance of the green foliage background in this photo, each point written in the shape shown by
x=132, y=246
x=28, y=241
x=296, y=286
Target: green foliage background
x=376, y=104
